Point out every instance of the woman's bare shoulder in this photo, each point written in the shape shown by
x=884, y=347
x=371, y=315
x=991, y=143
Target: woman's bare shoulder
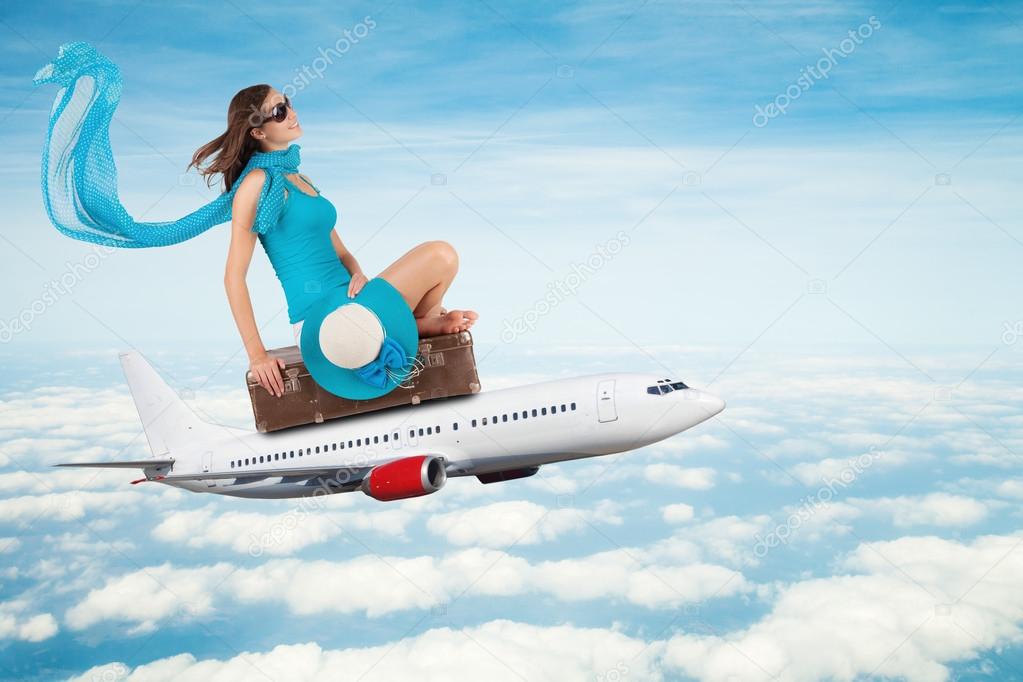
x=250, y=187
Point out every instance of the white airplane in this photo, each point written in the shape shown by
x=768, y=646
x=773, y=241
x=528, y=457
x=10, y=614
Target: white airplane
x=409, y=451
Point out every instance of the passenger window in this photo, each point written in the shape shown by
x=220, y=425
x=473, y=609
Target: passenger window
x=494, y=420
x=573, y=406
x=543, y=410
x=349, y=443
x=385, y=437
x=429, y=430
x=342, y=445
x=484, y=421
x=563, y=408
x=420, y=431
x=454, y=426
x=358, y=442
x=317, y=449
x=515, y=416
x=436, y=429
x=411, y=433
x=333, y=446
x=474, y=423
x=504, y=417
x=376, y=439
x=534, y=411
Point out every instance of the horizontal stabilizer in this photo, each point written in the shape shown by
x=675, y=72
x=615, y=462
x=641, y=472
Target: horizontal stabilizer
x=138, y=464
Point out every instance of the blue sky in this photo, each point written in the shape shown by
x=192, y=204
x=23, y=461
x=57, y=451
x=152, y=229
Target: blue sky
x=845, y=274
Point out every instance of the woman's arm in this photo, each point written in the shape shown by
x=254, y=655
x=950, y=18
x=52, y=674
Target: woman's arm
x=346, y=256
x=239, y=255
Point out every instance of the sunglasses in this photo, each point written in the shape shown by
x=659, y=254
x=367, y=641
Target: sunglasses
x=279, y=112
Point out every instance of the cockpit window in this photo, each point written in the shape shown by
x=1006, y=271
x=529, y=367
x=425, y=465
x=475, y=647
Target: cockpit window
x=666, y=387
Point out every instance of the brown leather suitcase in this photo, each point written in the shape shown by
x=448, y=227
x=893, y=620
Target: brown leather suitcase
x=448, y=368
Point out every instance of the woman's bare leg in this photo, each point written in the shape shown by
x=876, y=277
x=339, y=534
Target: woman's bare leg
x=422, y=276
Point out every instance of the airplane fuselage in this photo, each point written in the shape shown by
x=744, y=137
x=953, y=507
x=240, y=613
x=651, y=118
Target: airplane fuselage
x=492, y=431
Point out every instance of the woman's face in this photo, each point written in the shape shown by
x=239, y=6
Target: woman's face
x=273, y=134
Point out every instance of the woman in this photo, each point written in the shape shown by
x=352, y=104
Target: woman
x=307, y=254
x=270, y=199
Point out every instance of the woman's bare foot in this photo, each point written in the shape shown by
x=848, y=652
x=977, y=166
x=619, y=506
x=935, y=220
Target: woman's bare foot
x=450, y=322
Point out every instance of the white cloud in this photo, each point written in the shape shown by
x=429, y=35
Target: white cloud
x=378, y=584
x=257, y=534
x=66, y=506
x=501, y=524
x=1010, y=488
x=934, y=509
x=32, y=628
x=499, y=650
x=909, y=608
x=677, y=513
x=697, y=478
x=920, y=604
x=150, y=595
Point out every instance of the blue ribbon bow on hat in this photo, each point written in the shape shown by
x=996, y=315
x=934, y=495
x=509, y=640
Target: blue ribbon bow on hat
x=391, y=356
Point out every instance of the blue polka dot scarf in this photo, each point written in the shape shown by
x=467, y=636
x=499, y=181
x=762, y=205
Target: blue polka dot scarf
x=79, y=178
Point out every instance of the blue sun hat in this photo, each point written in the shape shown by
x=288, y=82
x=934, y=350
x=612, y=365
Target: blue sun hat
x=360, y=348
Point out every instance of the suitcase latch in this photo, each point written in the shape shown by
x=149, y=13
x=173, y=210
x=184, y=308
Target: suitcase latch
x=291, y=384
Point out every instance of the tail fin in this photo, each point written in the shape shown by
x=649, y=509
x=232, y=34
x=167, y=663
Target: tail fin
x=169, y=423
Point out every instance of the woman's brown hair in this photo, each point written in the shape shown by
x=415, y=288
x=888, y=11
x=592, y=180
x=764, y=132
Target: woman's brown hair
x=234, y=147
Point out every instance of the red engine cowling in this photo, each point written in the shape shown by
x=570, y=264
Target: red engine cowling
x=408, y=477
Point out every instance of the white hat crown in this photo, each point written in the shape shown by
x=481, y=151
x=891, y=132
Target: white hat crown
x=351, y=336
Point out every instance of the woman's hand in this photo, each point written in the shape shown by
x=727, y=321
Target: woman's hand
x=267, y=370
x=355, y=286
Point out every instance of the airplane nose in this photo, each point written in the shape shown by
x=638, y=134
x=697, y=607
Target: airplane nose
x=716, y=404
x=710, y=403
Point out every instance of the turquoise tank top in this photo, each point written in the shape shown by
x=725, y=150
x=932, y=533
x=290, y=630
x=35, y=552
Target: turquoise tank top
x=301, y=252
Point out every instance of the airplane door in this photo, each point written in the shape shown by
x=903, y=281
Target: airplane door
x=396, y=440
x=207, y=466
x=413, y=439
x=606, y=401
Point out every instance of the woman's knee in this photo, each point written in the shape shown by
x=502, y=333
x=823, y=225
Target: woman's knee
x=444, y=252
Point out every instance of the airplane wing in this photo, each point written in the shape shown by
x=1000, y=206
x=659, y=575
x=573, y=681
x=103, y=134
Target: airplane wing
x=136, y=464
x=341, y=473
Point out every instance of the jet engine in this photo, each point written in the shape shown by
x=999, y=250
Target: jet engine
x=407, y=477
